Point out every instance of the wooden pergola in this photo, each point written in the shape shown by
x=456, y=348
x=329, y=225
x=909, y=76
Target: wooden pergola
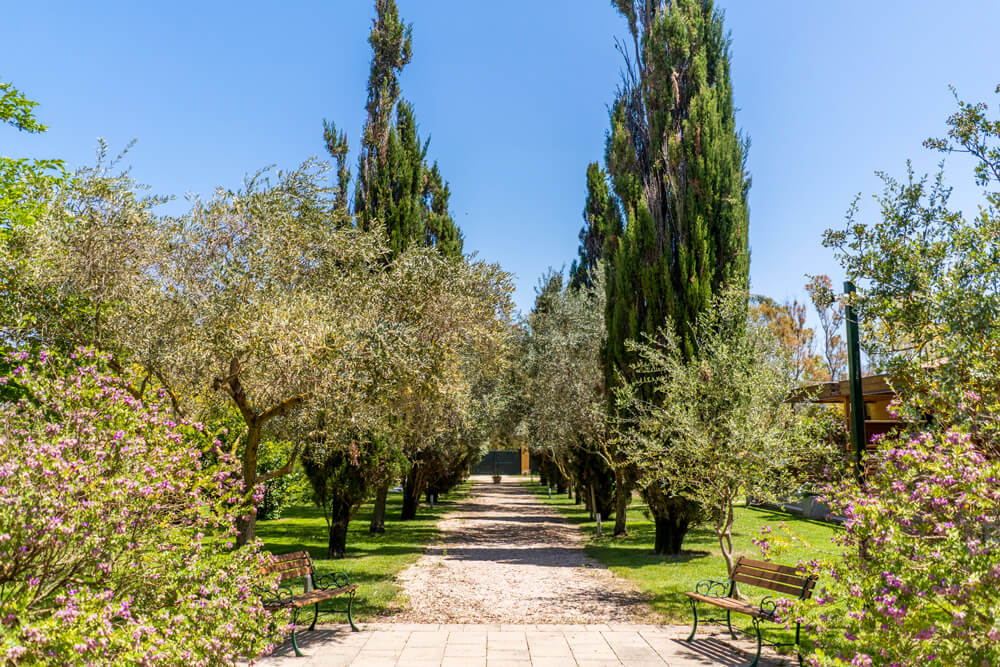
x=876, y=393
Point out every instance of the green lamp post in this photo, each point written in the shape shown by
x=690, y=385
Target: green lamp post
x=854, y=380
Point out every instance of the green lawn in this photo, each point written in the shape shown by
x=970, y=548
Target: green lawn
x=372, y=560
x=666, y=578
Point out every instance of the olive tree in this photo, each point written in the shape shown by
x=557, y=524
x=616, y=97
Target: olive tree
x=717, y=426
x=437, y=329
x=566, y=411
x=455, y=323
x=257, y=300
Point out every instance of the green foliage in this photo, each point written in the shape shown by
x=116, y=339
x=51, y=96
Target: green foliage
x=343, y=469
x=117, y=535
x=564, y=415
x=928, y=276
x=279, y=492
x=602, y=220
x=676, y=163
x=17, y=110
x=717, y=426
x=685, y=209
x=397, y=187
x=23, y=187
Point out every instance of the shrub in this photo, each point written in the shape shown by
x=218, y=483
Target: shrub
x=920, y=578
x=116, y=541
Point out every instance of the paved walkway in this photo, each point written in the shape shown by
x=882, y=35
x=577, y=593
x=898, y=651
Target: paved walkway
x=474, y=645
x=508, y=585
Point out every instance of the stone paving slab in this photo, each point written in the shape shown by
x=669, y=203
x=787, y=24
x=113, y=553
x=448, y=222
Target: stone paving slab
x=539, y=645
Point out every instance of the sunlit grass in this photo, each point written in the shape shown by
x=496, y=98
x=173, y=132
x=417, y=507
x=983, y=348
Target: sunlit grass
x=666, y=578
x=372, y=561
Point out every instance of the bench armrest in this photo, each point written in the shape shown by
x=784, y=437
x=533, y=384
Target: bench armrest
x=768, y=606
x=712, y=588
x=282, y=595
x=331, y=580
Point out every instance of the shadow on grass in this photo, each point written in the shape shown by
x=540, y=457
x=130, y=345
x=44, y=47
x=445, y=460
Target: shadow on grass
x=372, y=561
x=665, y=579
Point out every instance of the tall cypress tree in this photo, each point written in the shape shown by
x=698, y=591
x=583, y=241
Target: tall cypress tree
x=677, y=166
x=397, y=187
x=601, y=220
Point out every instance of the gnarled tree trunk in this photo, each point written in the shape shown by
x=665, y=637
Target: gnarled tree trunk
x=672, y=517
x=411, y=496
x=377, y=526
x=340, y=519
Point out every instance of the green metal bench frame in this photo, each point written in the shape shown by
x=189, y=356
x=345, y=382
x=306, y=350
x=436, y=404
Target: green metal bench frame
x=761, y=574
x=319, y=588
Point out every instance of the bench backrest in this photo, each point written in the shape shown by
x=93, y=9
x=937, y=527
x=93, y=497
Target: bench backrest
x=289, y=566
x=773, y=577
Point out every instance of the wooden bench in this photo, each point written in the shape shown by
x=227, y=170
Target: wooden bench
x=760, y=574
x=318, y=588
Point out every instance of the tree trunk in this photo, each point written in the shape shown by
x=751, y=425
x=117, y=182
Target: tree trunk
x=377, y=526
x=411, y=496
x=247, y=524
x=247, y=527
x=340, y=519
x=622, y=496
x=724, y=531
x=579, y=496
x=670, y=532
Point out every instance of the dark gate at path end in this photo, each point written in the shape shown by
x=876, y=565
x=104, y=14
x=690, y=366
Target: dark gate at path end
x=500, y=462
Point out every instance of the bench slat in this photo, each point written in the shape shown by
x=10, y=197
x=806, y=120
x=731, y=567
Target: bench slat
x=792, y=580
x=731, y=604
x=287, y=565
x=773, y=567
x=295, y=555
x=291, y=574
x=312, y=597
x=769, y=585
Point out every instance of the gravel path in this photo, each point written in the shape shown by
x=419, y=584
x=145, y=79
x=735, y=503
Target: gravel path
x=506, y=558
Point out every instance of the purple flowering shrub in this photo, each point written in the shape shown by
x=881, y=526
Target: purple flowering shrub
x=919, y=580
x=116, y=535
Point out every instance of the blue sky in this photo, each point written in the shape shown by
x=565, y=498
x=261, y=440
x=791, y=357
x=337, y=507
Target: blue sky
x=514, y=96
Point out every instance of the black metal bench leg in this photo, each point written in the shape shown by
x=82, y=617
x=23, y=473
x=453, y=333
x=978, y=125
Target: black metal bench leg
x=756, y=658
x=350, y=616
x=315, y=616
x=694, y=610
x=729, y=623
x=295, y=644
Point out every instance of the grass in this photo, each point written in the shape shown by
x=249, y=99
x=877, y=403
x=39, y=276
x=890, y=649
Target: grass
x=372, y=561
x=666, y=578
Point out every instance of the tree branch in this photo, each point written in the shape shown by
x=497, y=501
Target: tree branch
x=283, y=408
x=285, y=469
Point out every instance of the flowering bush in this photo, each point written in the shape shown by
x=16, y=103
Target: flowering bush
x=116, y=540
x=919, y=581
